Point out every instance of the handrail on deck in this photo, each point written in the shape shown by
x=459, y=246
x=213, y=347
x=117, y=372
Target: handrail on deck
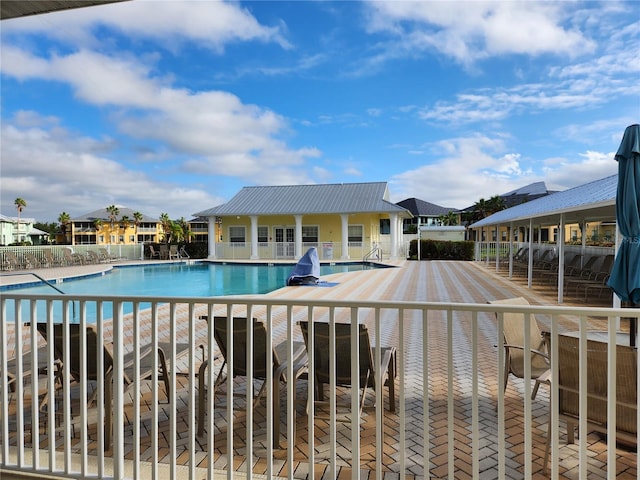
x=377, y=251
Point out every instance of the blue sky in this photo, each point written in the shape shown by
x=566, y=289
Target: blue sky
x=173, y=106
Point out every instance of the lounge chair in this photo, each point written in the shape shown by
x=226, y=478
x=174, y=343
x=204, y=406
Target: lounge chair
x=31, y=261
x=597, y=389
x=49, y=259
x=240, y=367
x=591, y=277
x=343, y=351
x=550, y=275
x=173, y=252
x=93, y=257
x=153, y=253
x=11, y=261
x=146, y=370
x=105, y=256
x=514, y=337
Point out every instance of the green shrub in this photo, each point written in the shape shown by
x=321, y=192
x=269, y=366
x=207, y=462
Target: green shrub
x=442, y=250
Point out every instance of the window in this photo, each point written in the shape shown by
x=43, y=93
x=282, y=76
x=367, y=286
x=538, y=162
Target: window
x=132, y=239
x=236, y=234
x=101, y=237
x=309, y=234
x=355, y=234
x=121, y=238
x=263, y=234
x=385, y=226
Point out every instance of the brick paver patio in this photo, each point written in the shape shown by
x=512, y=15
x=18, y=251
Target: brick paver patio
x=456, y=282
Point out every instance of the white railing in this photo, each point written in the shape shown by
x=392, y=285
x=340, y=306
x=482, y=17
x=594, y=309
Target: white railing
x=449, y=359
x=115, y=252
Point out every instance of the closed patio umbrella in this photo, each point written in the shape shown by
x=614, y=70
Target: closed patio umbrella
x=625, y=275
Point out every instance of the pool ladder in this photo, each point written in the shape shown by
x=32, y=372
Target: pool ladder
x=376, y=252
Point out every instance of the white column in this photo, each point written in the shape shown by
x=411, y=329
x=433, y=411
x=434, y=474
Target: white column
x=561, y=260
x=254, y=237
x=345, y=236
x=212, y=237
x=530, y=267
x=298, y=236
x=394, y=236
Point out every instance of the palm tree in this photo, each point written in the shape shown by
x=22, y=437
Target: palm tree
x=124, y=224
x=495, y=204
x=137, y=220
x=451, y=218
x=165, y=221
x=113, y=212
x=97, y=224
x=20, y=205
x=64, y=218
x=185, y=228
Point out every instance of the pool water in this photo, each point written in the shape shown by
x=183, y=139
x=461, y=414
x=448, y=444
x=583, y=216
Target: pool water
x=176, y=280
x=182, y=280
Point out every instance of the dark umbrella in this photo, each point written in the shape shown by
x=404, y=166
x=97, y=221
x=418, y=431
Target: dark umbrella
x=625, y=275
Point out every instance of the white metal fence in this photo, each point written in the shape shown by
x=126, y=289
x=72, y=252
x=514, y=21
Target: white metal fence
x=54, y=255
x=449, y=367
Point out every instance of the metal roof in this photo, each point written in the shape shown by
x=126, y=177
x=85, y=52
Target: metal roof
x=592, y=201
x=308, y=199
x=102, y=214
x=22, y=8
x=424, y=209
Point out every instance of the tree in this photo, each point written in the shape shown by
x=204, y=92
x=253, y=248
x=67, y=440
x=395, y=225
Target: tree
x=137, y=220
x=64, y=218
x=166, y=222
x=495, y=204
x=185, y=230
x=113, y=212
x=450, y=219
x=20, y=205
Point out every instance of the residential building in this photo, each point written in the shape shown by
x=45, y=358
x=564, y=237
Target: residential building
x=97, y=228
x=13, y=230
x=199, y=227
x=343, y=221
x=424, y=213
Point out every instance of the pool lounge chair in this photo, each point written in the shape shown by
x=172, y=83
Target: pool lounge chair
x=146, y=370
x=240, y=366
x=514, y=337
x=369, y=370
x=10, y=261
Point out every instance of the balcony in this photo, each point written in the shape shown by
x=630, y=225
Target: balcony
x=450, y=414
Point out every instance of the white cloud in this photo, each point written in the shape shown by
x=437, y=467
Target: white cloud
x=80, y=177
x=219, y=133
x=476, y=167
x=471, y=31
x=210, y=24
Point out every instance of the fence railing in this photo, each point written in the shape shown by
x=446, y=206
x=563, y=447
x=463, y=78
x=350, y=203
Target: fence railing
x=448, y=375
x=18, y=257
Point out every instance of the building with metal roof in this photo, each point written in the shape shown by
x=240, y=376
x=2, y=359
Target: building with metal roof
x=346, y=220
x=593, y=201
x=424, y=213
x=14, y=230
x=570, y=214
x=96, y=228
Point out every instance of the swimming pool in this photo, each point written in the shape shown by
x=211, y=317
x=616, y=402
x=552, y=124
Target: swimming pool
x=187, y=280
x=180, y=280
